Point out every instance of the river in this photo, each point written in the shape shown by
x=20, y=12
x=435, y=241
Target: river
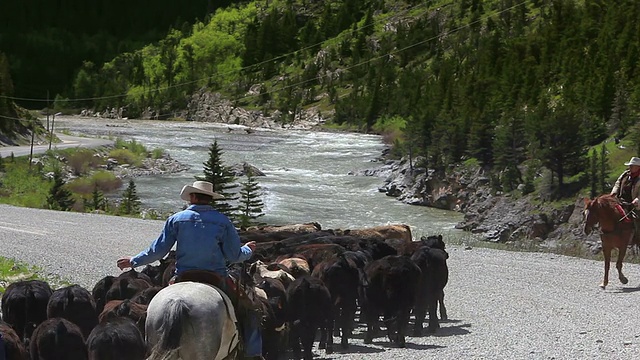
x=307, y=172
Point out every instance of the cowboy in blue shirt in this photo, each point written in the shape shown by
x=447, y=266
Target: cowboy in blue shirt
x=205, y=239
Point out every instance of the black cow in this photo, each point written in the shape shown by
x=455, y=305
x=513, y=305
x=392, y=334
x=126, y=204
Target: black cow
x=99, y=291
x=144, y=296
x=435, y=274
x=271, y=328
x=342, y=277
x=118, y=338
x=125, y=308
x=436, y=242
x=274, y=331
x=24, y=306
x=156, y=272
x=126, y=288
x=75, y=304
x=11, y=347
x=309, y=308
x=391, y=290
x=56, y=339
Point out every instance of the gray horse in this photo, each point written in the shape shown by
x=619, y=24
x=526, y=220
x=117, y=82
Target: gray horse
x=191, y=321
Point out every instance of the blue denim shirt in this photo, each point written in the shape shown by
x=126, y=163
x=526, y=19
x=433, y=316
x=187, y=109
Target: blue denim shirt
x=205, y=240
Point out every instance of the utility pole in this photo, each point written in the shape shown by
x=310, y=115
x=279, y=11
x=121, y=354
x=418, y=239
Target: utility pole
x=48, y=110
x=53, y=121
x=33, y=132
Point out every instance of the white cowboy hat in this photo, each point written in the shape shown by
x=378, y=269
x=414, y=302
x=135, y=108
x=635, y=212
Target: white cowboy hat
x=634, y=161
x=200, y=187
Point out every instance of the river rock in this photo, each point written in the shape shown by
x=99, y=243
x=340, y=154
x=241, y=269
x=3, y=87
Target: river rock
x=242, y=169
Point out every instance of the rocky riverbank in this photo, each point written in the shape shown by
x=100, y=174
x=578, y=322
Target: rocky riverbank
x=206, y=106
x=525, y=220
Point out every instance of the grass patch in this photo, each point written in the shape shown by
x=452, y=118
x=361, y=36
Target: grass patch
x=22, y=186
x=12, y=271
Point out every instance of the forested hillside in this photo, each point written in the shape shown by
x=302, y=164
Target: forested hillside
x=46, y=41
x=500, y=82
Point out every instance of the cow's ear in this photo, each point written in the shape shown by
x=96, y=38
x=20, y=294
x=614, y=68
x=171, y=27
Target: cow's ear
x=252, y=268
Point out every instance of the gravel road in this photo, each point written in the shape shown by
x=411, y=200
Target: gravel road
x=501, y=305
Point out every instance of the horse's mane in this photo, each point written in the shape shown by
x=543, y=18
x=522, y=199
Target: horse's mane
x=608, y=206
x=607, y=200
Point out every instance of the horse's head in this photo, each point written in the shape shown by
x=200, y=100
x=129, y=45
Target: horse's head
x=588, y=215
x=605, y=210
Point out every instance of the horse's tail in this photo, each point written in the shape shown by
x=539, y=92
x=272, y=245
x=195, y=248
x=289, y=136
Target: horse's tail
x=173, y=321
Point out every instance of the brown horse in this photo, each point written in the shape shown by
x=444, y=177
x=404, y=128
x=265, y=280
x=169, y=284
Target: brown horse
x=616, y=230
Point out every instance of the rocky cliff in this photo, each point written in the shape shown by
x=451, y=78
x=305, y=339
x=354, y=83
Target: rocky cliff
x=525, y=221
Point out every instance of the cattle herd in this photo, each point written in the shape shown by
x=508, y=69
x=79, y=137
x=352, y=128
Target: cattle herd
x=307, y=280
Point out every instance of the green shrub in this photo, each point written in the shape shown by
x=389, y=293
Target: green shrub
x=126, y=156
x=157, y=153
x=390, y=128
x=81, y=161
x=105, y=181
x=132, y=145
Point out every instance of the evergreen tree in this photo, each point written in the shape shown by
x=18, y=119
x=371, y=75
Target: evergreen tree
x=60, y=198
x=97, y=199
x=562, y=146
x=130, y=201
x=251, y=206
x=604, y=170
x=529, y=177
x=6, y=89
x=222, y=179
x=593, y=174
x=1, y=164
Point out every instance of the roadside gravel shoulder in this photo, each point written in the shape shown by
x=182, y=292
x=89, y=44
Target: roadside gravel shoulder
x=501, y=304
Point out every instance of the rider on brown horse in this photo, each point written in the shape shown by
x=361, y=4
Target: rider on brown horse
x=627, y=189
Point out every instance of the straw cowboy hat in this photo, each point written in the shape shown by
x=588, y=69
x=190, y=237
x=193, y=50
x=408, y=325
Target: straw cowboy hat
x=633, y=162
x=200, y=187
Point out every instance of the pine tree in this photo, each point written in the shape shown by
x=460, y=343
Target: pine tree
x=251, y=206
x=97, y=199
x=604, y=171
x=529, y=177
x=222, y=179
x=6, y=90
x=594, y=174
x=130, y=201
x=59, y=197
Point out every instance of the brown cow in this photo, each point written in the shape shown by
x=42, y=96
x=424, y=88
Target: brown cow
x=12, y=346
x=394, y=234
x=296, y=228
x=296, y=266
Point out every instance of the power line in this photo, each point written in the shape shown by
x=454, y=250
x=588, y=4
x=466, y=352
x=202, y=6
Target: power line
x=343, y=34
x=453, y=31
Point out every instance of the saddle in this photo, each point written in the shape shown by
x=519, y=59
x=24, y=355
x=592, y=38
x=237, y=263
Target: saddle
x=235, y=291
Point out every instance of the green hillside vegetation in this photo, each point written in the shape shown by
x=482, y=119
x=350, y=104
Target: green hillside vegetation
x=47, y=41
x=521, y=88
x=82, y=180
